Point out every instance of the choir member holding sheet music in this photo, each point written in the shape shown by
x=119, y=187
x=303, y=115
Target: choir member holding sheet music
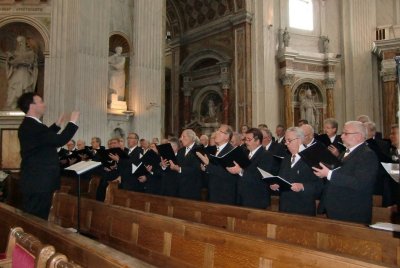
x=348, y=193
x=306, y=187
x=252, y=190
x=221, y=183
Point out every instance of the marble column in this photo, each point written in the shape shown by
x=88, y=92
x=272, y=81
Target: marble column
x=243, y=72
x=175, y=71
x=225, y=78
x=76, y=69
x=287, y=80
x=187, y=110
x=389, y=95
x=330, y=106
x=147, y=98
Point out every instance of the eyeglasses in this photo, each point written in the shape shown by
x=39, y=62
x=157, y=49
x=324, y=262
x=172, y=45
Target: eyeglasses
x=289, y=141
x=222, y=131
x=349, y=133
x=249, y=139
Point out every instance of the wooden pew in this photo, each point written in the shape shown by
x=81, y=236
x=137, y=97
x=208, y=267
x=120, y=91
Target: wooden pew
x=153, y=237
x=317, y=233
x=79, y=249
x=25, y=250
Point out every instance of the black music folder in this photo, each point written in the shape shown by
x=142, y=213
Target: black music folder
x=236, y=154
x=284, y=185
x=166, y=152
x=139, y=170
x=317, y=153
x=150, y=158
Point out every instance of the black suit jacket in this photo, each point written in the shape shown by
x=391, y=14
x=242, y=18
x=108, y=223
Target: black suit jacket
x=128, y=180
x=221, y=184
x=348, y=194
x=40, y=170
x=252, y=190
x=190, y=179
x=299, y=202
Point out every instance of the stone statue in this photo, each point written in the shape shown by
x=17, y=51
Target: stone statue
x=21, y=71
x=286, y=37
x=325, y=43
x=116, y=74
x=212, y=109
x=308, y=110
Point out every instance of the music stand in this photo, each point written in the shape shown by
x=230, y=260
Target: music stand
x=81, y=168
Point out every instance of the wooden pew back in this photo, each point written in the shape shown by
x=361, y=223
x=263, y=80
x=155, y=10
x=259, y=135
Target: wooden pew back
x=79, y=249
x=322, y=234
x=26, y=250
x=153, y=237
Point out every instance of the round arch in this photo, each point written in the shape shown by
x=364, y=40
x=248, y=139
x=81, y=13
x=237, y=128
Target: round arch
x=32, y=22
x=192, y=59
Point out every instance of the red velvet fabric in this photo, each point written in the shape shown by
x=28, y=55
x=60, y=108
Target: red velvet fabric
x=21, y=258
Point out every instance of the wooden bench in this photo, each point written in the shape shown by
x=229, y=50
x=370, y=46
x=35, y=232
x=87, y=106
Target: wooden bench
x=81, y=250
x=153, y=237
x=317, y=233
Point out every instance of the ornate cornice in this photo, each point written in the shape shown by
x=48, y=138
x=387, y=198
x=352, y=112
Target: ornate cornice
x=379, y=47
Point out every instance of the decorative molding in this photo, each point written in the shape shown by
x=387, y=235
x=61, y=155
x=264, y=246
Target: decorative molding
x=330, y=83
x=379, y=47
x=287, y=79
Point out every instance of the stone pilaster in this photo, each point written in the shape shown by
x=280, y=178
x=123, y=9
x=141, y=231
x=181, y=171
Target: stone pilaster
x=287, y=80
x=330, y=105
x=389, y=95
x=147, y=98
x=77, y=66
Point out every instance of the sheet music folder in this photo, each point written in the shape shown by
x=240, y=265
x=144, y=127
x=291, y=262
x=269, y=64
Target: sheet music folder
x=236, y=154
x=317, y=153
x=284, y=185
x=166, y=152
x=83, y=166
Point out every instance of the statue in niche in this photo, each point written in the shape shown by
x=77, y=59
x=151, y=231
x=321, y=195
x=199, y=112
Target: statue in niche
x=286, y=37
x=21, y=72
x=211, y=107
x=116, y=74
x=308, y=110
x=325, y=43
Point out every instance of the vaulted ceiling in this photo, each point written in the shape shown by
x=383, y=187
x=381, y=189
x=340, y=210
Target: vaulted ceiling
x=184, y=15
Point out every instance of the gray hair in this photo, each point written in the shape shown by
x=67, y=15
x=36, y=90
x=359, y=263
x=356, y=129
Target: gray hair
x=360, y=127
x=332, y=122
x=297, y=131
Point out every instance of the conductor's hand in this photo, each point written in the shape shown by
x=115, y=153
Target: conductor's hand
x=203, y=158
x=60, y=120
x=74, y=117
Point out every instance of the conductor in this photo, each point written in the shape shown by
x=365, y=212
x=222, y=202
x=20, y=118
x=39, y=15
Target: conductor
x=40, y=170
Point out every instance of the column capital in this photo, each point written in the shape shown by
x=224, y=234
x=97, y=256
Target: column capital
x=287, y=79
x=187, y=91
x=330, y=83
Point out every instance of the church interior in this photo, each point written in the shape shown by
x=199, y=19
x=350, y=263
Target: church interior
x=159, y=67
